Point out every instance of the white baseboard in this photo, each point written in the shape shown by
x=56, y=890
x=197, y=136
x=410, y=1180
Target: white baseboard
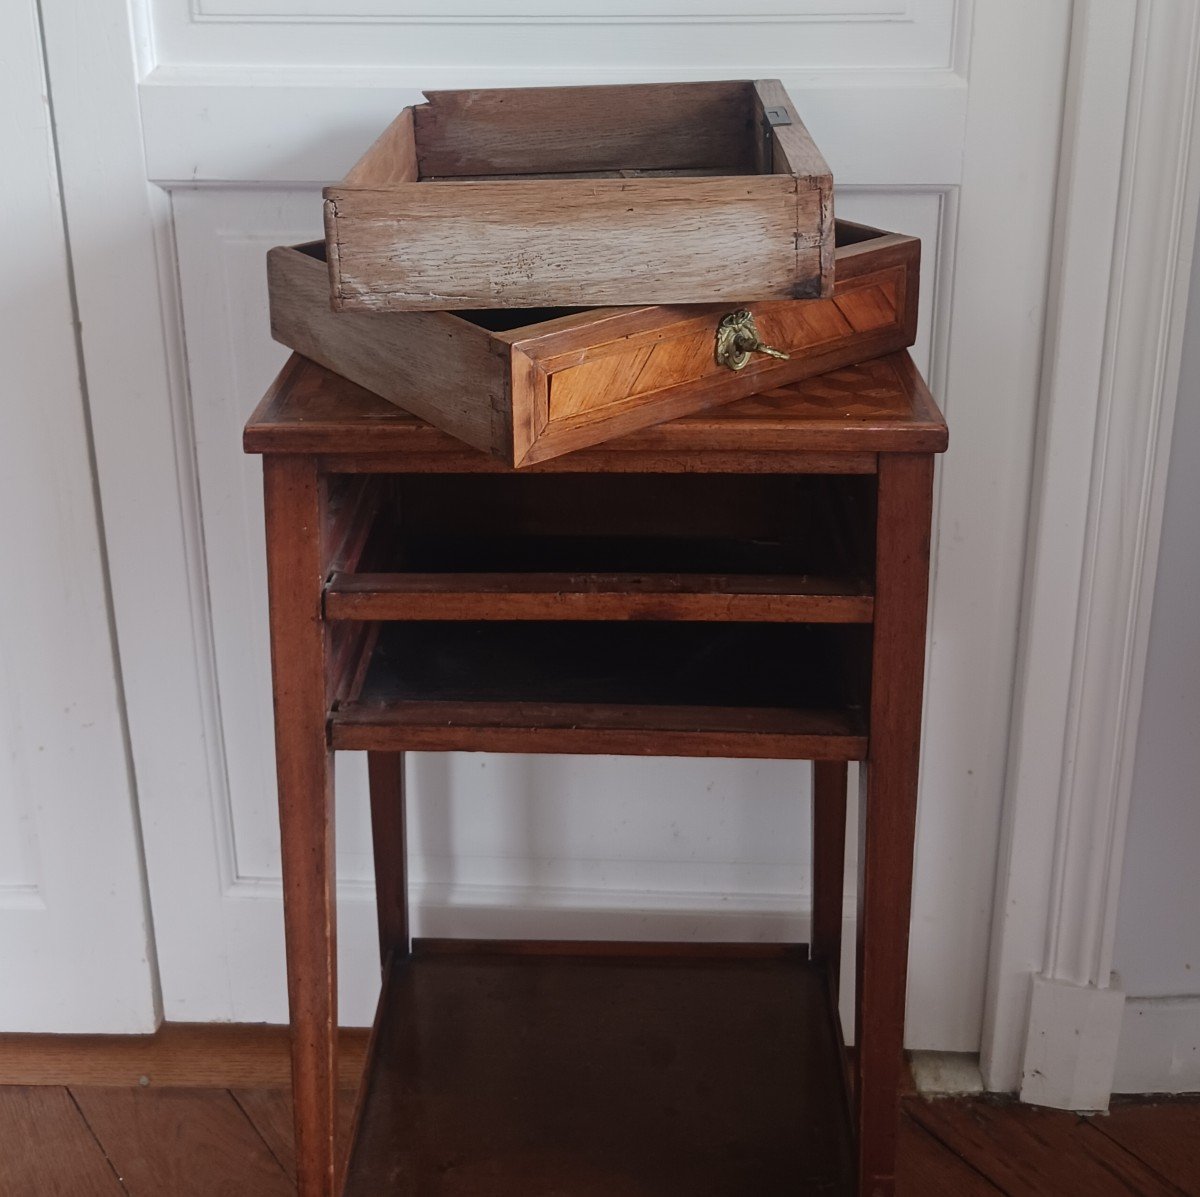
x=471, y=911
x=1071, y=1047
x=1160, y=1046
x=946, y=1074
x=561, y=912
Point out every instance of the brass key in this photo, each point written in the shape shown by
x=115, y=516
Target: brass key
x=737, y=339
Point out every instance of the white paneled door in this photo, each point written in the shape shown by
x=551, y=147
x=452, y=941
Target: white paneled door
x=75, y=951
x=221, y=120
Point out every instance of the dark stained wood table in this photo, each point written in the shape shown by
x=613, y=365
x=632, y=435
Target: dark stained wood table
x=750, y=581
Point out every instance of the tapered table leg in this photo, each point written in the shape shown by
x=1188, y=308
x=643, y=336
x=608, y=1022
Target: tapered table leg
x=386, y=773
x=829, y=855
x=295, y=511
x=888, y=804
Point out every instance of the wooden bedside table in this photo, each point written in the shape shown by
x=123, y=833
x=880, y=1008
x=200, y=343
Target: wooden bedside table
x=750, y=581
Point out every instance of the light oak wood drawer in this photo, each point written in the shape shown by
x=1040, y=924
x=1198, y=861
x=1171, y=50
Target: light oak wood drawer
x=527, y=197
x=528, y=385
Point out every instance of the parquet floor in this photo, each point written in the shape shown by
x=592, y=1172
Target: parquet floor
x=156, y=1141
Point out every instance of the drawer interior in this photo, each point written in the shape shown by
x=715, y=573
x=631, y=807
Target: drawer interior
x=813, y=525
x=791, y=666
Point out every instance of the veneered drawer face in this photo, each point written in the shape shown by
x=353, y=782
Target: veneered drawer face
x=614, y=374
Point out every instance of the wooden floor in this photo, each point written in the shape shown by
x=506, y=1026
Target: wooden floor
x=166, y=1141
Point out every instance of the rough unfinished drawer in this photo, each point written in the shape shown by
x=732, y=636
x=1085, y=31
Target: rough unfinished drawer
x=523, y=197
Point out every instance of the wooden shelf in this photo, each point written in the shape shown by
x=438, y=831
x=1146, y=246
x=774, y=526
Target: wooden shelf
x=603, y=1070
x=786, y=598
x=730, y=689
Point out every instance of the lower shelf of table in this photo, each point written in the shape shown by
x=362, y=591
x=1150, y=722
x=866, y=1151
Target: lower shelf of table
x=603, y=1070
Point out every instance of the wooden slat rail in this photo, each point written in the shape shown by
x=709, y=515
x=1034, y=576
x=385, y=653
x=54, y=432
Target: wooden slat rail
x=599, y=728
x=793, y=598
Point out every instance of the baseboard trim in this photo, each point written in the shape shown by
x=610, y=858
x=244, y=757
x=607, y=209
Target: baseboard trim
x=1071, y=1048
x=177, y=1055
x=946, y=1074
x=1160, y=1046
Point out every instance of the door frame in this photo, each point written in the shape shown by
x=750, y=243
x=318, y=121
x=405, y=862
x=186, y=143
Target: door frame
x=1129, y=194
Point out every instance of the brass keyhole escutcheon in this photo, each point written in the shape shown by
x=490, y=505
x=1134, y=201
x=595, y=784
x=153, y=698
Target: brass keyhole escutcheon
x=737, y=339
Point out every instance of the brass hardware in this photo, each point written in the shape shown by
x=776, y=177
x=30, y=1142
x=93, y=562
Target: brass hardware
x=737, y=339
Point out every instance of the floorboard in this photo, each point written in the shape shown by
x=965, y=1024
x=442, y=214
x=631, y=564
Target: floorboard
x=47, y=1149
x=270, y=1110
x=926, y=1169
x=182, y=1143
x=1030, y=1152
x=1163, y=1135
x=202, y=1142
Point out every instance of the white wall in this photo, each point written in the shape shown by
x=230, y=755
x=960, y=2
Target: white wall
x=1158, y=932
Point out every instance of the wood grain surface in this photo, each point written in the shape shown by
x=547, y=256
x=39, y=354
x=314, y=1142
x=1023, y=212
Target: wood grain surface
x=177, y=1054
x=888, y=807
x=774, y=599
x=1034, y=1152
x=271, y=1114
x=789, y=149
x=48, y=1149
x=926, y=1168
x=642, y=193
x=828, y=864
x=51, y=1150
x=529, y=385
x=298, y=549
x=527, y=1088
x=854, y=413
x=389, y=844
x=523, y=243
x=436, y=366
x=211, y=1146
x=1163, y=1134
x=520, y=131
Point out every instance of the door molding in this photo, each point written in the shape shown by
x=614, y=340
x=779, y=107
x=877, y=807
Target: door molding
x=1129, y=193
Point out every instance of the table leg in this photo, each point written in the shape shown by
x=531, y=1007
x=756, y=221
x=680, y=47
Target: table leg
x=295, y=511
x=386, y=773
x=888, y=804
x=828, y=855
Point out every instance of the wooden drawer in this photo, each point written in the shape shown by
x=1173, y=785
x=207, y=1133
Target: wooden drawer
x=530, y=385
x=529, y=197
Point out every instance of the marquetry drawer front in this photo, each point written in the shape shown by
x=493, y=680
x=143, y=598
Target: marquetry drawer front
x=530, y=385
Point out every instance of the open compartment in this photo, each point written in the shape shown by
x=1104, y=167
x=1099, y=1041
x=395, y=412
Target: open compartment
x=529, y=384
x=630, y=193
x=770, y=548
x=699, y=689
